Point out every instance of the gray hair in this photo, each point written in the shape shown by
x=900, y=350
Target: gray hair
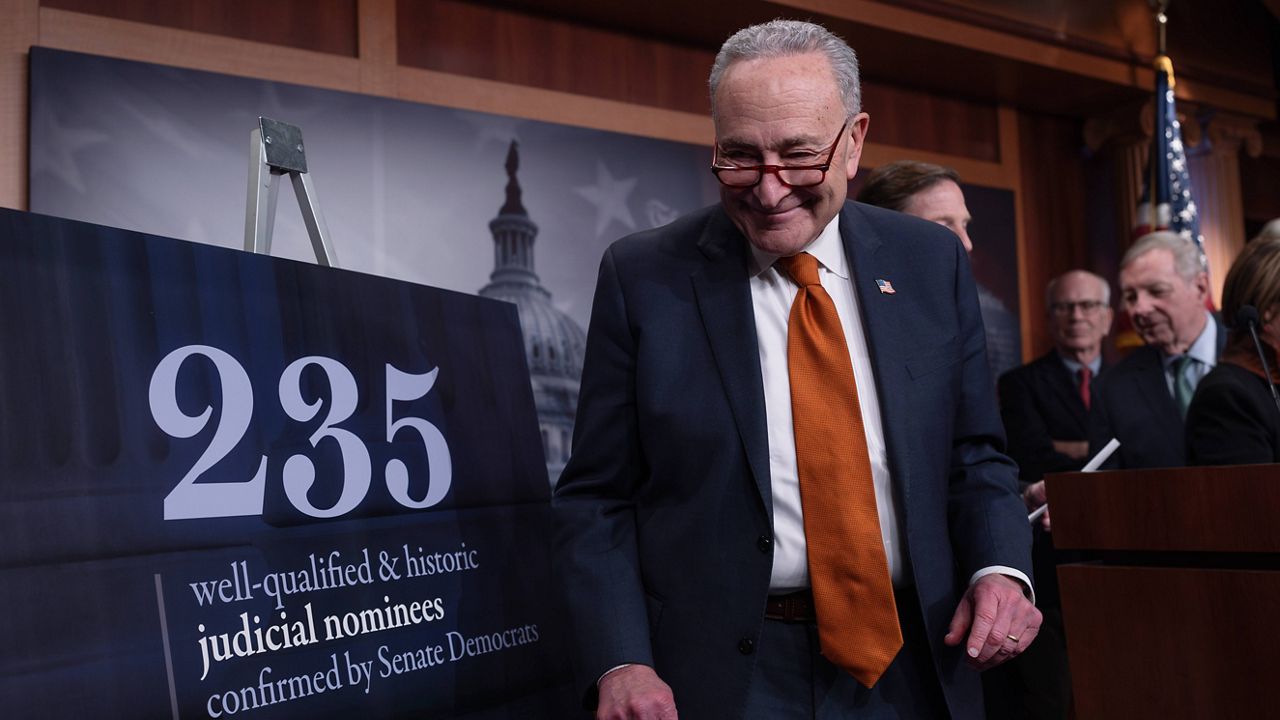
x=1053, y=285
x=1188, y=261
x=784, y=38
x=1270, y=230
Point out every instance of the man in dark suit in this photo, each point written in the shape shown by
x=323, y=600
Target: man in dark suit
x=687, y=534
x=933, y=192
x=1045, y=407
x=1143, y=400
x=1045, y=403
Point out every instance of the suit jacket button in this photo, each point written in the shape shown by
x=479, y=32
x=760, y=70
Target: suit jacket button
x=764, y=543
x=746, y=646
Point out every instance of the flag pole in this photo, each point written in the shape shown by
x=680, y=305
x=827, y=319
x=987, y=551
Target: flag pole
x=1162, y=20
x=1161, y=64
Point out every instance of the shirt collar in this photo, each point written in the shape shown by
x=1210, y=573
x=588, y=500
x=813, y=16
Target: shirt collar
x=1205, y=347
x=1094, y=366
x=828, y=248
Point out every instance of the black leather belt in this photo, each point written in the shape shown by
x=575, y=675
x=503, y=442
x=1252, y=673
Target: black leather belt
x=796, y=607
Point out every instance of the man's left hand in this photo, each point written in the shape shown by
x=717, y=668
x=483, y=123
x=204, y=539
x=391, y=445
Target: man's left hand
x=999, y=619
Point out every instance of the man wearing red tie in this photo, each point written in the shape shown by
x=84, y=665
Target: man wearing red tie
x=1045, y=407
x=787, y=496
x=1045, y=403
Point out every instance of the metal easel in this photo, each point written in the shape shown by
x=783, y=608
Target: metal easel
x=275, y=149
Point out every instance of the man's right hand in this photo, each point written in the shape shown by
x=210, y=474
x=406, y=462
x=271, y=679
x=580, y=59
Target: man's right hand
x=635, y=692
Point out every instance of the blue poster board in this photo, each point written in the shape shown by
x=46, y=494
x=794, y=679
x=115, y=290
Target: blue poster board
x=237, y=485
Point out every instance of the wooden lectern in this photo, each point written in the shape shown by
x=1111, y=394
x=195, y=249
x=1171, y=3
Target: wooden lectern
x=1179, y=615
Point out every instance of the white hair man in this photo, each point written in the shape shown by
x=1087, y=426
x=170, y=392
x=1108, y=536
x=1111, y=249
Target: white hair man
x=736, y=448
x=1142, y=402
x=1045, y=407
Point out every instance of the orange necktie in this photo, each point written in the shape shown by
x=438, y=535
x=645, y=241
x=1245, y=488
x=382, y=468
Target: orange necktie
x=852, y=591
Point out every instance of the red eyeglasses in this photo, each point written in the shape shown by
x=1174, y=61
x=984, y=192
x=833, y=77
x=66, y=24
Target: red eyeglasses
x=792, y=176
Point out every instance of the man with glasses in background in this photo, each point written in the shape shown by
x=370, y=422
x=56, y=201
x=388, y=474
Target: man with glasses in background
x=1045, y=407
x=1045, y=403
x=787, y=496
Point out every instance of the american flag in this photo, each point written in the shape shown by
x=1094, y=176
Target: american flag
x=1169, y=182
x=1167, y=179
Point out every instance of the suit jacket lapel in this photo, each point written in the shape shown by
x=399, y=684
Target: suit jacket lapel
x=862, y=244
x=888, y=331
x=723, y=295
x=1058, y=377
x=1153, y=388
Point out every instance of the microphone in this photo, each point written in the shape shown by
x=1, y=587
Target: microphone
x=1248, y=315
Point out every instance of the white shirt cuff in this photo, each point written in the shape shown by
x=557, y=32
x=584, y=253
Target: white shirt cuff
x=613, y=669
x=1018, y=575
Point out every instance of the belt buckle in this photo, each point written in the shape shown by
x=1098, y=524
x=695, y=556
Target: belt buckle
x=793, y=607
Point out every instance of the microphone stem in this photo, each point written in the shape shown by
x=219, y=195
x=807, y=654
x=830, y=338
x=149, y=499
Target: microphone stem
x=1253, y=330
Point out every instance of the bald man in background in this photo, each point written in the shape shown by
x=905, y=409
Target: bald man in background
x=1045, y=408
x=1045, y=403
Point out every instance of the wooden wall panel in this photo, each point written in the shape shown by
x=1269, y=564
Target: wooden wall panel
x=144, y=42
x=1260, y=183
x=1015, y=68
x=1171, y=643
x=377, y=46
x=465, y=38
x=327, y=26
x=1053, y=211
x=18, y=32
x=933, y=123
x=1227, y=44
x=496, y=44
x=561, y=68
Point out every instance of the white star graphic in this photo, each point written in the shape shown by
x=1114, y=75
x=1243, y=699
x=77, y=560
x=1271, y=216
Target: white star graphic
x=609, y=195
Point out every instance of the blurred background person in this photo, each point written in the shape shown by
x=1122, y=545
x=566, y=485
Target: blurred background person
x=932, y=192
x=1045, y=403
x=1045, y=408
x=1143, y=400
x=1233, y=418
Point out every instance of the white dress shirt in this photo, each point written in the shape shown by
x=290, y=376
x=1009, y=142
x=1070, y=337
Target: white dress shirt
x=772, y=293
x=1204, y=351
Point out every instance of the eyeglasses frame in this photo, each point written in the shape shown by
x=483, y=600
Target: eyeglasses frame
x=777, y=169
x=1086, y=307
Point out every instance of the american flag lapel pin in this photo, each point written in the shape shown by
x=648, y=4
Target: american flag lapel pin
x=885, y=286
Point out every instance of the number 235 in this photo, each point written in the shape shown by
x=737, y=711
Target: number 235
x=189, y=499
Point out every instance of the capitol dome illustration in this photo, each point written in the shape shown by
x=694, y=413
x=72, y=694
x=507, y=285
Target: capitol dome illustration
x=553, y=343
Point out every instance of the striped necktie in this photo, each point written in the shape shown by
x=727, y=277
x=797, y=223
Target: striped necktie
x=1184, y=385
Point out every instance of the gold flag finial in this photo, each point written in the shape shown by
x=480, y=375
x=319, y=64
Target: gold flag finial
x=1165, y=65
